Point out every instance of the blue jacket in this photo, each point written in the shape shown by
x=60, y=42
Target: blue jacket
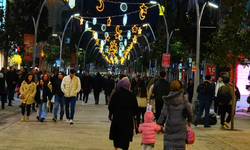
x=208, y=95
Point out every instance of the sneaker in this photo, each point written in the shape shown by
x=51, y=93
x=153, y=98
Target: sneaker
x=27, y=119
x=67, y=120
x=83, y=103
x=41, y=120
x=226, y=124
x=71, y=121
x=207, y=126
x=54, y=119
x=37, y=117
x=223, y=127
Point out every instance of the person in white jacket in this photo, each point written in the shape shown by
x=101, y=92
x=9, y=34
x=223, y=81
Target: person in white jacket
x=70, y=87
x=216, y=100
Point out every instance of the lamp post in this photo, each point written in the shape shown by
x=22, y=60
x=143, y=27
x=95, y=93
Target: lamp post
x=145, y=25
x=199, y=17
x=71, y=17
x=35, y=37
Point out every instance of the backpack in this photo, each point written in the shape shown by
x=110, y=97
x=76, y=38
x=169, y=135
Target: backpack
x=203, y=87
x=224, y=98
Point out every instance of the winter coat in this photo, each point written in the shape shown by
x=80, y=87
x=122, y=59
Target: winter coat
x=148, y=128
x=226, y=88
x=97, y=83
x=3, y=84
x=161, y=88
x=47, y=94
x=208, y=94
x=28, y=91
x=57, y=88
x=108, y=86
x=12, y=77
x=86, y=83
x=217, y=86
x=70, y=86
x=176, y=125
x=123, y=106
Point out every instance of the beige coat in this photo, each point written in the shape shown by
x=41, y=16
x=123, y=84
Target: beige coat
x=70, y=86
x=28, y=91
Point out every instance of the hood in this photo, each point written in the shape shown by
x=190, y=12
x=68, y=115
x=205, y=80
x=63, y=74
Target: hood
x=148, y=117
x=174, y=98
x=1, y=75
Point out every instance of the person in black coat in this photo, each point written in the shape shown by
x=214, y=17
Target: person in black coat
x=43, y=94
x=97, y=86
x=190, y=90
x=80, y=76
x=3, y=86
x=134, y=82
x=123, y=106
x=86, y=83
x=12, y=80
x=108, y=87
x=161, y=88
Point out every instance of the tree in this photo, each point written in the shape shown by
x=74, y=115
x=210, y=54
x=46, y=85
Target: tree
x=231, y=44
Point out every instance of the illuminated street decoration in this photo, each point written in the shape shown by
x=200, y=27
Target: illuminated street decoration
x=81, y=21
x=72, y=3
x=103, y=27
x=97, y=41
x=95, y=35
x=117, y=36
x=125, y=19
x=100, y=8
x=106, y=34
x=94, y=21
x=107, y=38
x=129, y=34
x=135, y=39
x=120, y=38
x=124, y=7
x=139, y=31
x=109, y=22
x=102, y=42
x=117, y=30
x=143, y=11
x=134, y=29
x=121, y=44
x=86, y=25
x=125, y=42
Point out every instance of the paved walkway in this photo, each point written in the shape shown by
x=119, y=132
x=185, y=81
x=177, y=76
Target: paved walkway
x=91, y=131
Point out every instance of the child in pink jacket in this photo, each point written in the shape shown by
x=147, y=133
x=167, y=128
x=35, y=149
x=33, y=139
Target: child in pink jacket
x=148, y=129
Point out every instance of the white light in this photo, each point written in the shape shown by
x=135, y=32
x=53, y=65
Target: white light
x=72, y=3
x=86, y=25
x=153, y=2
x=120, y=48
x=144, y=25
x=104, y=27
x=120, y=38
x=129, y=34
x=94, y=21
x=106, y=34
x=125, y=42
x=102, y=42
x=76, y=15
x=55, y=35
x=213, y=5
x=123, y=48
x=124, y=7
x=95, y=35
x=101, y=49
x=121, y=44
x=125, y=19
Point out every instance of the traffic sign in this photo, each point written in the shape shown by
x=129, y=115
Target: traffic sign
x=165, y=60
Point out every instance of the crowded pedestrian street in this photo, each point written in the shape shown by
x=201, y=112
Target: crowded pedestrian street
x=90, y=131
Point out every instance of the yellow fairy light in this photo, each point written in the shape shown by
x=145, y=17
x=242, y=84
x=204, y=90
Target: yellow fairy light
x=97, y=41
x=143, y=11
x=135, y=39
x=107, y=38
x=100, y=8
x=117, y=36
x=109, y=22
x=117, y=29
x=139, y=30
x=122, y=60
x=134, y=29
x=81, y=21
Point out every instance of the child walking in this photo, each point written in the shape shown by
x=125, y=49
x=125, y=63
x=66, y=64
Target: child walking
x=148, y=129
x=43, y=93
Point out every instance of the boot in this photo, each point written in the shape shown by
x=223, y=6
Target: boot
x=27, y=119
x=23, y=118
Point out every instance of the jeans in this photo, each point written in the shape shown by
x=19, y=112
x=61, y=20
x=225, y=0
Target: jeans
x=59, y=100
x=3, y=99
x=44, y=110
x=11, y=92
x=204, y=105
x=72, y=101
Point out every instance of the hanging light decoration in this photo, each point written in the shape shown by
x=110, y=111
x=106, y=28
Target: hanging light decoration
x=106, y=34
x=143, y=11
x=109, y=22
x=125, y=42
x=81, y=21
x=103, y=27
x=95, y=35
x=121, y=44
x=86, y=25
x=129, y=34
x=124, y=7
x=120, y=38
x=94, y=21
x=100, y=8
x=125, y=19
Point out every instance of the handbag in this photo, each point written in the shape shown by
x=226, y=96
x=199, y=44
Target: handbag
x=53, y=99
x=190, y=136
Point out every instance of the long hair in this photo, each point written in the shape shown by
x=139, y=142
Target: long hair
x=140, y=89
x=27, y=78
x=46, y=82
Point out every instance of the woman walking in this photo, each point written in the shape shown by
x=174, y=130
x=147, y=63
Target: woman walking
x=43, y=93
x=27, y=95
x=175, y=107
x=123, y=106
x=46, y=78
x=142, y=96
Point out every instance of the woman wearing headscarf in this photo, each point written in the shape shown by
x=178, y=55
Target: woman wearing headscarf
x=174, y=112
x=123, y=106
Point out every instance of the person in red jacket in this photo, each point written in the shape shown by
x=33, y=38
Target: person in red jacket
x=148, y=129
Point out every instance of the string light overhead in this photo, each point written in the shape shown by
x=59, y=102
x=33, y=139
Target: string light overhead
x=101, y=6
x=143, y=11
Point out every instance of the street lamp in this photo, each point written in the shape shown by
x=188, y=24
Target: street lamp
x=199, y=17
x=147, y=24
x=61, y=43
x=35, y=37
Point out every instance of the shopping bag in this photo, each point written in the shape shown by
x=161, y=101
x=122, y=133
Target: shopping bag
x=190, y=136
x=53, y=99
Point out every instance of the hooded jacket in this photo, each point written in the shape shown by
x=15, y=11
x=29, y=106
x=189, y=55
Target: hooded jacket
x=28, y=91
x=148, y=128
x=175, y=124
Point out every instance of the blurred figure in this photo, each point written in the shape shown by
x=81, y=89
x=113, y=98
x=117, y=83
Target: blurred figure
x=216, y=100
x=12, y=80
x=190, y=90
x=3, y=87
x=86, y=87
x=108, y=87
x=97, y=86
x=135, y=81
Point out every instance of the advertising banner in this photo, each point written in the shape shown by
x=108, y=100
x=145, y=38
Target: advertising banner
x=165, y=60
x=28, y=43
x=210, y=70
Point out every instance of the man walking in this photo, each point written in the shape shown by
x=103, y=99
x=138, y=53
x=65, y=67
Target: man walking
x=12, y=80
x=70, y=87
x=97, y=86
x=216, y=100
x=161, y=88
x=59, y=97
x=205, y=96
x=86, y=87
x=108, y=87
